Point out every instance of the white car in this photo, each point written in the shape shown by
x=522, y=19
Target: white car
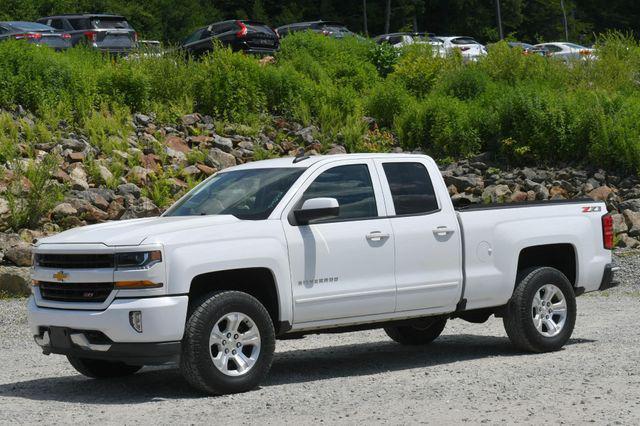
x=469, y=48
x=566, y=51
x=286, y=247
x=400, y=40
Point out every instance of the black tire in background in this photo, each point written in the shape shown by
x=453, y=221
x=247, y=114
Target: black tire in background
x=101, y=369
x=418, y=334
x=196, y=363
x=518, y=320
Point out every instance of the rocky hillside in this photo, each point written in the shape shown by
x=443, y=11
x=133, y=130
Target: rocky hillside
x=88, y=182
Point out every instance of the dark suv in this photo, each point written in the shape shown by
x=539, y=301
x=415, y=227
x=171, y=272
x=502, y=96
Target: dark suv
x=328, y=28
x=245, y=36
x=109, y=33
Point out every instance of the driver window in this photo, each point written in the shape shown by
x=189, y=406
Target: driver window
x=351, y=186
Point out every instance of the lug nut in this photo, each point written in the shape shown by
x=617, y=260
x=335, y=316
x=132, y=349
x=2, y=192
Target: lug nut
x=238, y=345
x=233, y=352
x=235, y=337
x=226, y=351
x=547, y=317
x=224, y=342
x=229, y=335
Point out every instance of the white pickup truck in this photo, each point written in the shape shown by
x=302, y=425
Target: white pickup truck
x=287, y=247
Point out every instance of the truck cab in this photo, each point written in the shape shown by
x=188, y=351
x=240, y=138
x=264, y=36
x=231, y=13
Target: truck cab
x=286, y=247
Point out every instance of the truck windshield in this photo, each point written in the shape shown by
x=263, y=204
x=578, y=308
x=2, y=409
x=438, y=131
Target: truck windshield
x=250, y=194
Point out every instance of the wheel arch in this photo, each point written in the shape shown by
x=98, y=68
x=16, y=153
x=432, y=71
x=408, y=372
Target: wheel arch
x=259, y=282
x=561, y=256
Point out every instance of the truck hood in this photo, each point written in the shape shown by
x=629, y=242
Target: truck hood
x=133, y=232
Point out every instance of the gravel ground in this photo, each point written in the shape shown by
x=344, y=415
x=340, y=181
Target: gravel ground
x=471, y=374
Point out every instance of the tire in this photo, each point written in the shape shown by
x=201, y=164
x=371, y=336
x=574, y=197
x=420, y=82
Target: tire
x=205, y=341
x=534, y=328
x=101, y=369
x=417, y=334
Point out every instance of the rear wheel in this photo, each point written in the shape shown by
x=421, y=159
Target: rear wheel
x=228, y=345
x=101, y=369
x=421, y=333
x=542, y=311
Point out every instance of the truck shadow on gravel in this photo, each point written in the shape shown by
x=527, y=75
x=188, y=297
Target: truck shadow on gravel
x=155, y=384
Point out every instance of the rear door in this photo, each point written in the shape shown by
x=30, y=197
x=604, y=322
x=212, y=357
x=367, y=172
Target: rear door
x=342, y=267
x=428, y=259
x=260, y=36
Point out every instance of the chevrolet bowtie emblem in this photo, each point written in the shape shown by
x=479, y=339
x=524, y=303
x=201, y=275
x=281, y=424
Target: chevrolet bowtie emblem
x=60, y=276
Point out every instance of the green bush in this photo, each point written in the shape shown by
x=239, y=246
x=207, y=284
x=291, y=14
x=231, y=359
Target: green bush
x=386, y=101
x=442, y=126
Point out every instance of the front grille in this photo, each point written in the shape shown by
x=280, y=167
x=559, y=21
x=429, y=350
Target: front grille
x=75, y=292
x=75, y=261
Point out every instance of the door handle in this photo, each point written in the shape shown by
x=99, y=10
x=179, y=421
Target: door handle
x=443, y=230
x=376, y=236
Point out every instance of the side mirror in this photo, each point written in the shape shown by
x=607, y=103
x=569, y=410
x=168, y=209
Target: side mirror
x=317, y=208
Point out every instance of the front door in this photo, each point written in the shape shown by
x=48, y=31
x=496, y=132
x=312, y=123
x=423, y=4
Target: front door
x=342, y=267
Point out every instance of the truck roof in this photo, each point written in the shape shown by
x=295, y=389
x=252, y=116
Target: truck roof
x=304, y=162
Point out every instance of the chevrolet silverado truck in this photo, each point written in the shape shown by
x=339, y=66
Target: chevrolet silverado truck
x=286, y=247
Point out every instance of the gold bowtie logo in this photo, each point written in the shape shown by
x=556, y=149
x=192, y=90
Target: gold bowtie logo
x=60, y=276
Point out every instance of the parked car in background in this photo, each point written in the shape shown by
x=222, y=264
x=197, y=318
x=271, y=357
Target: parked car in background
x=566, y=51
x=244, y=36
x=400, y=40
x=328, y=28
x=528, y=49
x=469, y=48
x=108, y=33
x=34, y=33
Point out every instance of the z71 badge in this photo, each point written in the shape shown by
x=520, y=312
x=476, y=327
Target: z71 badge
x=591, y=209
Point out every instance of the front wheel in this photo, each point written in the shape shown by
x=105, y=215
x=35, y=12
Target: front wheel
x=228, y=345
x=101, y=369
x=542, y=311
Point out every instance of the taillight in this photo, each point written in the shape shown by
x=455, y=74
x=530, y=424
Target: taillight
x=585, y=52
x=607, y=231
x=464, y=48
x=31, y=36
x=243, y=29
x=66, y=36
x=90, y=35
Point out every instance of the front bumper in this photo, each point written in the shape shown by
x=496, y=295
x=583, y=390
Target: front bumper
x=108, y=334
x=608, y=279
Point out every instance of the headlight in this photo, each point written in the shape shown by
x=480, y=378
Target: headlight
x=138, y=259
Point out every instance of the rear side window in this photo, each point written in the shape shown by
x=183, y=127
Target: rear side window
x=58, y=24
x=80, y=24
x=351, y=186
x=411, y=188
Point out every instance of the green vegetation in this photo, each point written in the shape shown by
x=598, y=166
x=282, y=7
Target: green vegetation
x=523, y=108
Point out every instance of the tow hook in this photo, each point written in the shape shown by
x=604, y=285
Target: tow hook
x=44, y=342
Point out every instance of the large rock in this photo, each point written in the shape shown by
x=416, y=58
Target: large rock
x=496, y=194
x=222, y=143
x=63, y=210
x=129, y=189
x=626, y=241
x=142, y=207
x=177, y=143
x=619, y=224
x=15, y=249
x=15, y=281
x=465, y=183
x=601, y=193
x=219, y=159
x=633, y=222
x=633, y=205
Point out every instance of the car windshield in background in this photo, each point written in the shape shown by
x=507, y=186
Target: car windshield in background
x=246, y=194
x=110, y=23
x=464, y=40
x=31, y=26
